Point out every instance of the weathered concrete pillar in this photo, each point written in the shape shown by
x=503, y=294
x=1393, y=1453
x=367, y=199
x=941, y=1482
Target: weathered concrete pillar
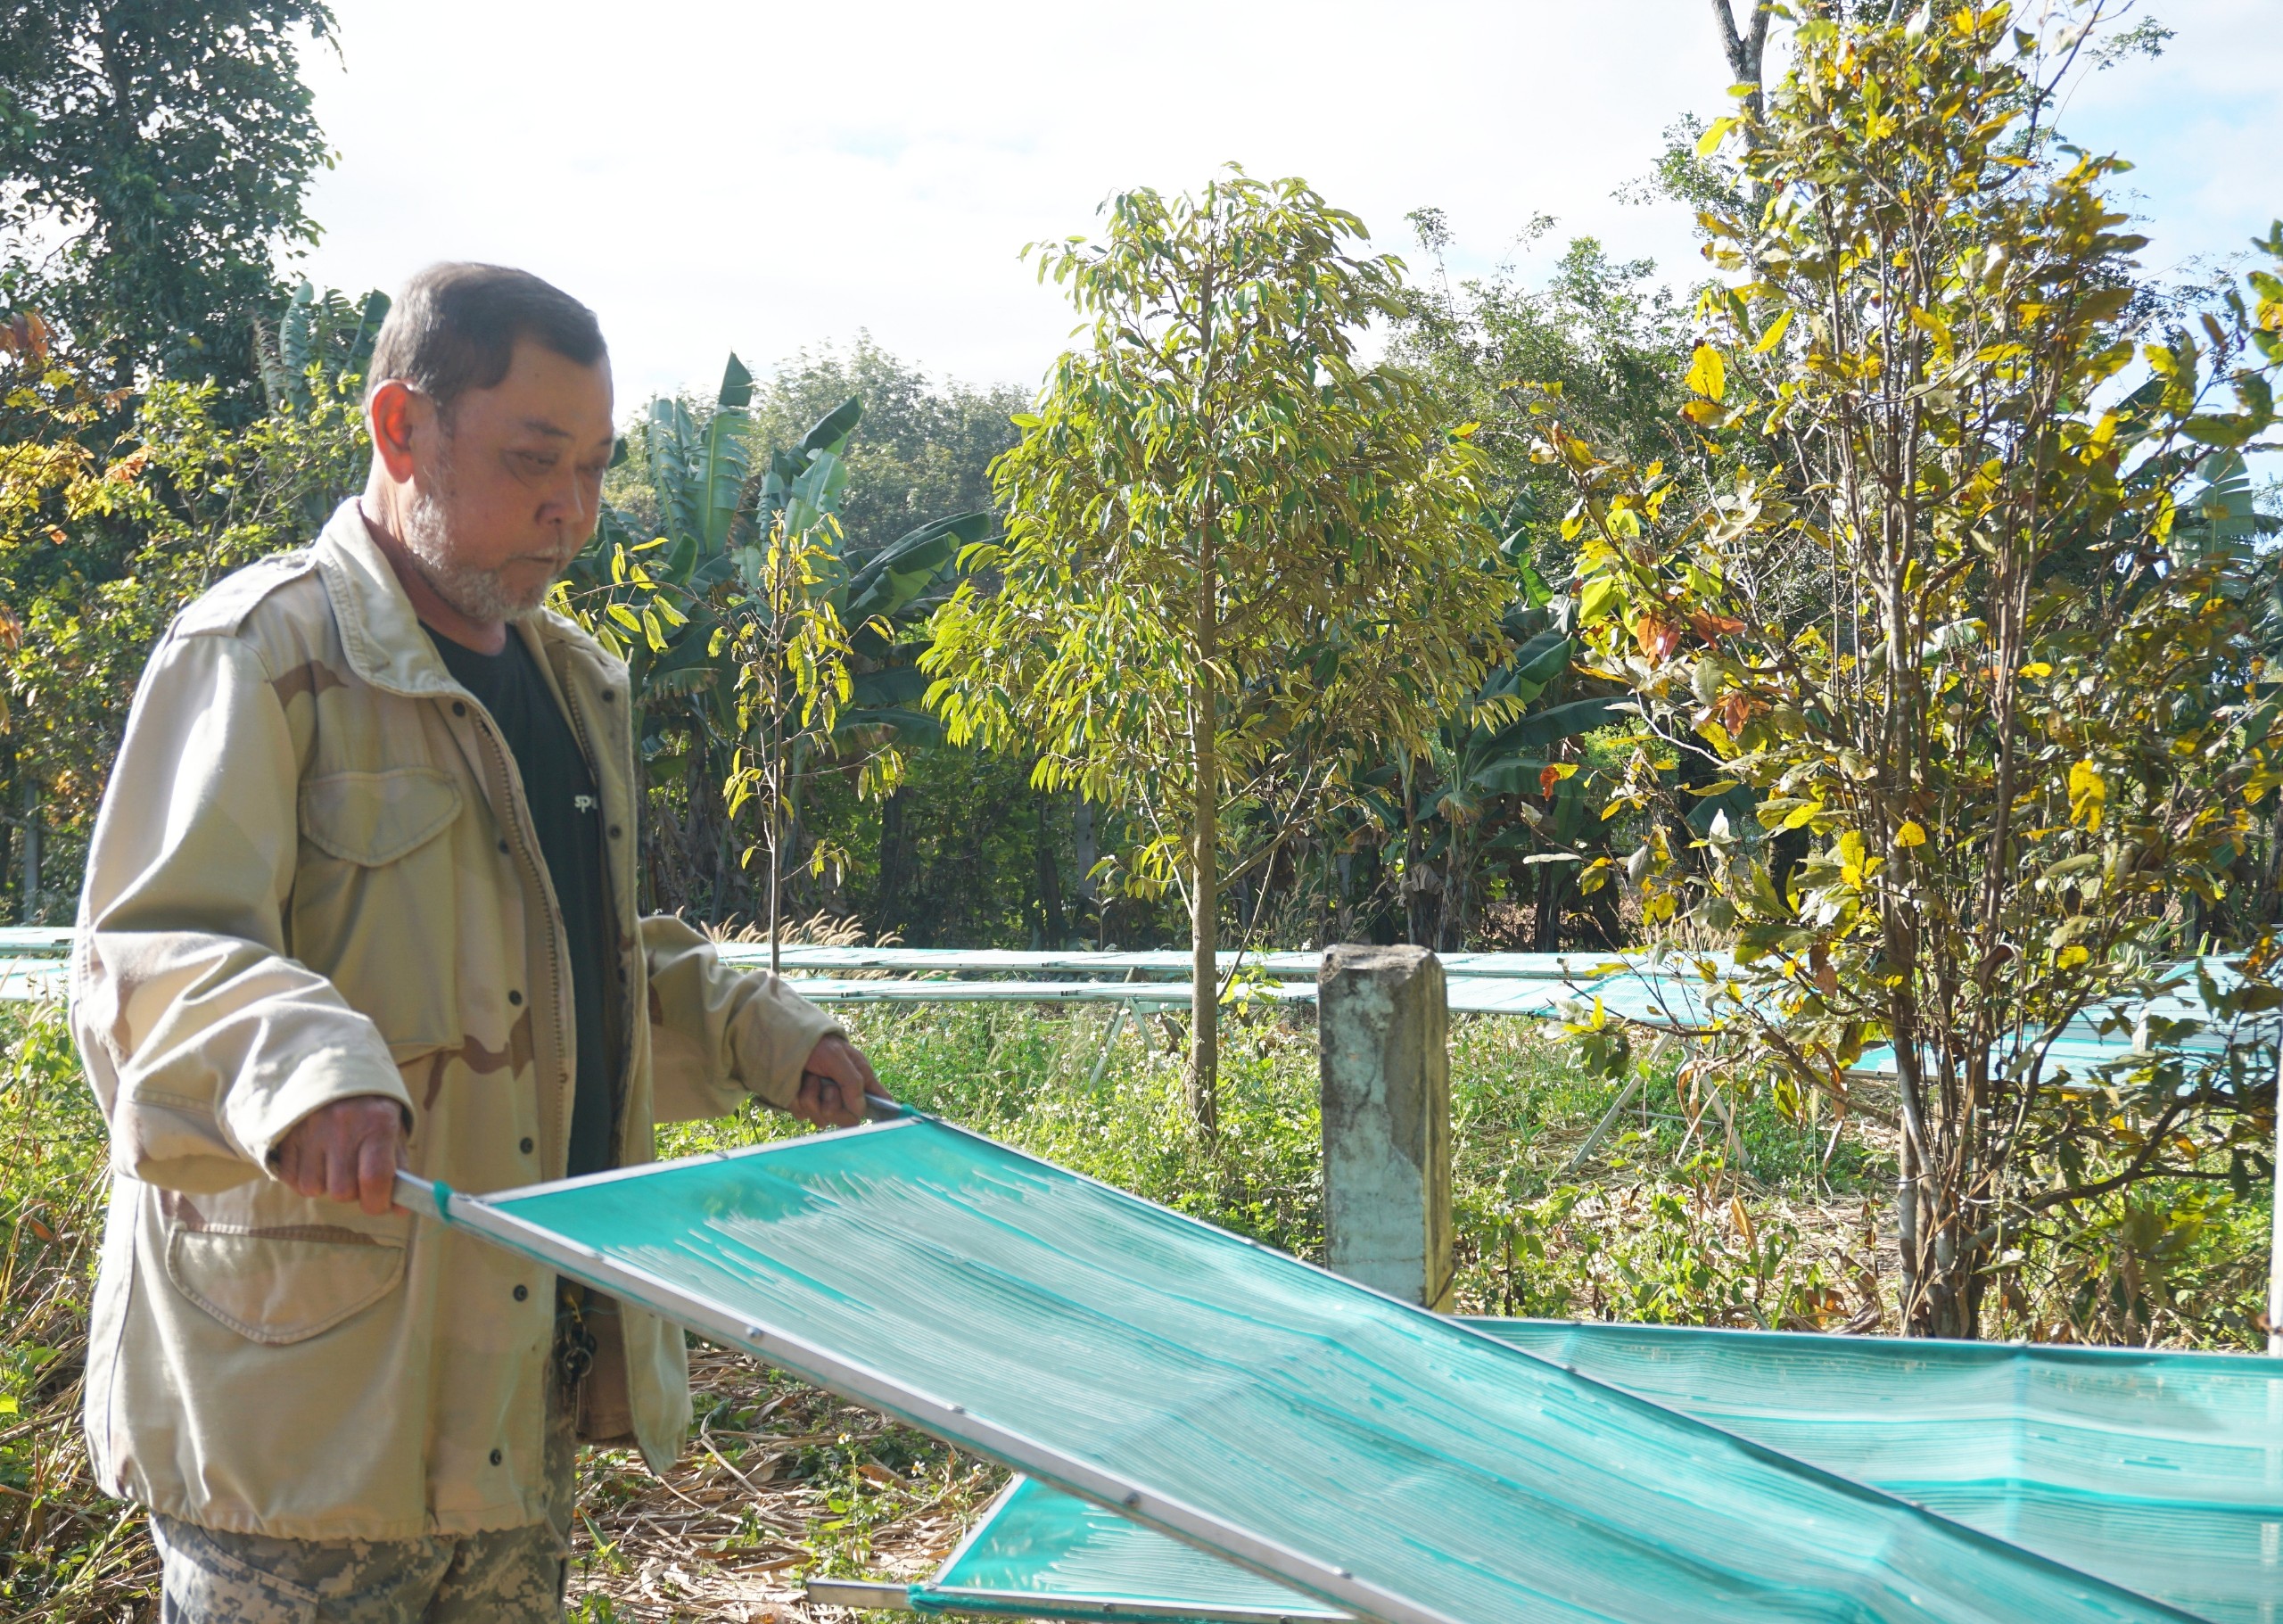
x=1382, y=1025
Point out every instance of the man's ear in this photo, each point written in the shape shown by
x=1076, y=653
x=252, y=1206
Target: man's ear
x=397, y=411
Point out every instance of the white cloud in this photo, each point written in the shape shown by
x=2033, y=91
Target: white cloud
x=710, y=174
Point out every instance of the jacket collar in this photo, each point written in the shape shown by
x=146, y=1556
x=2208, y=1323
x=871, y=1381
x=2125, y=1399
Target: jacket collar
x=380, y=631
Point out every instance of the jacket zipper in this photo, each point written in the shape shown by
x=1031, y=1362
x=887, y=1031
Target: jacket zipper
x=537, y=890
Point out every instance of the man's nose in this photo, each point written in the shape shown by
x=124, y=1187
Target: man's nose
x=569, y=498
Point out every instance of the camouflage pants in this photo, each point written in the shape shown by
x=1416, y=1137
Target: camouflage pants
x=510, y=1576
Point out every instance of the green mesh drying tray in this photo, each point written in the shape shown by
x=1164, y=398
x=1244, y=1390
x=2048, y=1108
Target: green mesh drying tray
x=2162, y=1471
x=1392, y=1463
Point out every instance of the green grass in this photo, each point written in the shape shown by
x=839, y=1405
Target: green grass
x=66, y=1551
x=1625, y=1235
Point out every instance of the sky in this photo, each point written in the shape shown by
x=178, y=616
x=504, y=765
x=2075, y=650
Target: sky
x=713, y=175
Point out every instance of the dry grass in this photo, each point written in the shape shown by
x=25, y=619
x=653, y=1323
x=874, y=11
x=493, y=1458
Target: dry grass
x=781, y=1482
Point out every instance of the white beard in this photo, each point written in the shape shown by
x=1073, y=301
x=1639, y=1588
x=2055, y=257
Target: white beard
x=480, y=593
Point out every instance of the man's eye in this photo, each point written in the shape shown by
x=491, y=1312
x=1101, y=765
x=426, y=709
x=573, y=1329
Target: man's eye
x=537, y=459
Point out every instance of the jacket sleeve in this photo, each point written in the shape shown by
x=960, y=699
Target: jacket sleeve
x=204, y=1041
x=719, y=1033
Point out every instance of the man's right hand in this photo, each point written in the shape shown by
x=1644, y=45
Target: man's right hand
x=350, y=1151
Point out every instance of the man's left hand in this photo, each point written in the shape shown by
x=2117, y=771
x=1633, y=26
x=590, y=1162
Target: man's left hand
x=835, y=1080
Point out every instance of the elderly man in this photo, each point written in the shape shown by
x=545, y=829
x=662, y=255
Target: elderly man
x=362, y=897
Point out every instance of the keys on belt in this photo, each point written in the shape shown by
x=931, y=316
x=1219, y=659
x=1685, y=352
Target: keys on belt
x=574, y=1341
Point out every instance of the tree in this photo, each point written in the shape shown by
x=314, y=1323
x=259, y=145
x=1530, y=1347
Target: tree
x=1612, y=343
x=1219, y=527
x=1943, y=590
x=169, y=146
x=105, y=537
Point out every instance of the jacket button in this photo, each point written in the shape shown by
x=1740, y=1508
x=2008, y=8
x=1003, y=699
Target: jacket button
x=496, y=1457
x=503, y=845
x=525, y=1147
x=610, y=696
x=613, y=831
x=459, y=710
x=523, y=1293
x=515, y=998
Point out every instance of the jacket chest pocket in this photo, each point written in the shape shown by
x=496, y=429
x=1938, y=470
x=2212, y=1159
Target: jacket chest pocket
x=376, y=899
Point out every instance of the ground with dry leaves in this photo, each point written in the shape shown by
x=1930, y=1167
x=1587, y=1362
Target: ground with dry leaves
x=782, y=1482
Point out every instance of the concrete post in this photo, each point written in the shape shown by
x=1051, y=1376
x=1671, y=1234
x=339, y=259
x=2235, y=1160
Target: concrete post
x=1382, y=1026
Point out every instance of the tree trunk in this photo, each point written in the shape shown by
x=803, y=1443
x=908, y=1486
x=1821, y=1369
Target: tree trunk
x=1205, y=912
x=30, y=909
x=889, y=899
x=1052, y=923
x=1082, y=837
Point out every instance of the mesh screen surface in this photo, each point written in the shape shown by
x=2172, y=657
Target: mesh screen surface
x=1390, y=1461
x=2162, y=1472
x=1041, y=1548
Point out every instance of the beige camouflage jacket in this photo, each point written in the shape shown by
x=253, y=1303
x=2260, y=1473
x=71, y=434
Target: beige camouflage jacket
x=314, y=876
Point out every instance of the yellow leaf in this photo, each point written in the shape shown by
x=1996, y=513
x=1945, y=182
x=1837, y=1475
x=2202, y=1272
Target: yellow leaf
x=1910, y=834
x=1774, y=336
x=2038, y=668
x=1708, y=374
x=2070, y=957
x=1800, y=815
x=2088, y=794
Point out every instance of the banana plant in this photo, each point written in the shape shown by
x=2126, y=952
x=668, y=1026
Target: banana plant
x=316, y=328
x=680, y=607
x=1474, y=797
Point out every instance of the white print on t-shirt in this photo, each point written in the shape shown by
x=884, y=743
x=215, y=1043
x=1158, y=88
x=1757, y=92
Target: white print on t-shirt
x=585, y=803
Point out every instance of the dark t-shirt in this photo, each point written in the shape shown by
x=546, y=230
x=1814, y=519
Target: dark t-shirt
x=567, y=814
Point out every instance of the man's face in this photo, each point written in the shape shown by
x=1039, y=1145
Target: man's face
x=508, y=483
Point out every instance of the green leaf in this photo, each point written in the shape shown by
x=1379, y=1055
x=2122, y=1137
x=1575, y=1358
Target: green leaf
x=737, y=385
x=1535, y=588
x=1562, y=721
x=1602, y=596
x=2219, y=431
x=833, y=428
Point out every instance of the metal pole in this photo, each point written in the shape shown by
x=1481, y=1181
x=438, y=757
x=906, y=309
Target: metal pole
x=1116, y=1023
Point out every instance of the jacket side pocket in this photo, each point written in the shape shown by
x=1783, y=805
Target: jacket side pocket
x=283, y=1285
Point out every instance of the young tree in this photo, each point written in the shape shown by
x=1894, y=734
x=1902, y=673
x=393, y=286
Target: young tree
x=1219, y=527
x=1941, y=595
